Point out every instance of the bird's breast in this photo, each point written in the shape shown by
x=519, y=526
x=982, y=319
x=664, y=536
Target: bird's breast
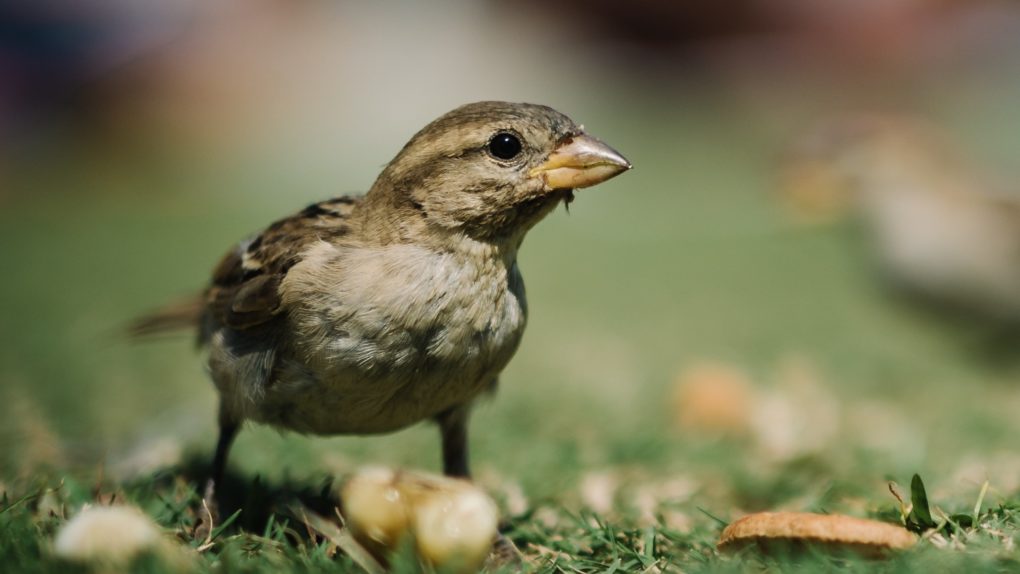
x=382, y=338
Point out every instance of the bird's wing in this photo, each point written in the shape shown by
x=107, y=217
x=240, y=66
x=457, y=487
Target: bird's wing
x=244, y=291
x=243, y=301
x=245, y=288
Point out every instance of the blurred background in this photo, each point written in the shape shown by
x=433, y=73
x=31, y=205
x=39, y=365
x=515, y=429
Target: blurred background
x=810, y=275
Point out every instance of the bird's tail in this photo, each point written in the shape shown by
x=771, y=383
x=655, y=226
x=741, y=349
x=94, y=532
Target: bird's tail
x=177, y=316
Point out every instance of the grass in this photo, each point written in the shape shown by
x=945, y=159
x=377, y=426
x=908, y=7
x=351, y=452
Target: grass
x=683, y=261
x=555, y=539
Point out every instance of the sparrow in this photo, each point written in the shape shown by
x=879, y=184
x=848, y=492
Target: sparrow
x=938, y=228
x=364, y=315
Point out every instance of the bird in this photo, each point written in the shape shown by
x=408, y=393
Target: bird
x=940, y=231
x=361, y=315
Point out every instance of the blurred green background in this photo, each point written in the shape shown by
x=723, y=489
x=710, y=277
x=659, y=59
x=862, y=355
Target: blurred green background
x=128, y=172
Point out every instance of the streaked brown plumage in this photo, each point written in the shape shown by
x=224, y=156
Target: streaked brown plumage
x=362, y=315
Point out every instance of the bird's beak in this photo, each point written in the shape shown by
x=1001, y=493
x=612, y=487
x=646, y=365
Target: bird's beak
x=580, y=161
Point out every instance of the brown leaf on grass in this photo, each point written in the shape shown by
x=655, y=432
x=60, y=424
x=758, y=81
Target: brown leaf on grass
x=792, y=530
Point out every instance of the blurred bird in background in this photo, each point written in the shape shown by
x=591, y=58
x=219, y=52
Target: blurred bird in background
x=939, y=229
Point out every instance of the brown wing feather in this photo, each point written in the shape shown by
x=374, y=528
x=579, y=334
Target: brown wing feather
x=244, y=291
x=185, y=314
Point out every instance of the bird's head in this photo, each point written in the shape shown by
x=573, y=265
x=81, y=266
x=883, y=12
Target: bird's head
x=491, y=170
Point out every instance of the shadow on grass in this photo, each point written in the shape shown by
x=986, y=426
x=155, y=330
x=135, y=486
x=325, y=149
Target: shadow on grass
x=258, y=499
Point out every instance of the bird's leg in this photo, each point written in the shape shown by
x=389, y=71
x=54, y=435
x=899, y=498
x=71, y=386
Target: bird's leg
x=228, y=431
x=453, y=427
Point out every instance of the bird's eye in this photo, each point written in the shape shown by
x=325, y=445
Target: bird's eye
x=504, y=145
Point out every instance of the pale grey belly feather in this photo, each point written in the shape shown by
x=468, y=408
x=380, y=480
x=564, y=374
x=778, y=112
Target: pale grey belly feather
x=356, y=402
x=365, y=365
